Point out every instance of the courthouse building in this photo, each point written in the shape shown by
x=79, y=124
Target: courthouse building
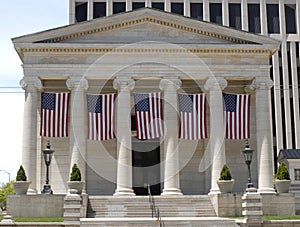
x=114, y=51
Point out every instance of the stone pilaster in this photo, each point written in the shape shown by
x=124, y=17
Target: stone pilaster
x=78, y=124
x=264, y=135
x=124, y=171
x=225, y=13
x=32, y=86
x=214, y=87
x=206, y=14
x=244, y=15
x=171, y=179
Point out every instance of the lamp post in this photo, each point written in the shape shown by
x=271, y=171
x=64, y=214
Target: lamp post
x=6, y=173
x=47, y=153
x=247, y=153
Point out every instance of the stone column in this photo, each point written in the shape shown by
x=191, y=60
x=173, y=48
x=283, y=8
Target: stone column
x=264, y=135
x=216, y=145
x=167, y=5
x=72, y=12
x=171, y=179
x=206, y=14
x=109, y=7
x=225, y=13
x=124, y=171
x=90, y=13
x=78, y=124
x=244, y=15
x=29, y=148
x=187, y=8
x=263, y=17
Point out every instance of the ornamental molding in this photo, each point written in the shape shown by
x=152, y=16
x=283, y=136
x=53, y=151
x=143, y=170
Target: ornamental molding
x=31, y=84
x=122, y=83
x=77, y=83
x=167, y=83
x=80, y=50
x=262, y=84
x=215, y=84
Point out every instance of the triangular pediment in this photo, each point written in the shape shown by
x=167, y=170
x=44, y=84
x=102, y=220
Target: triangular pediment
x=144, y=25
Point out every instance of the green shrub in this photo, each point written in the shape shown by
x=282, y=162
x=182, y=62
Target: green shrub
x=21, y=175
x=7, y=189
x=225, y=173
x=282, y=172
x=75, y=174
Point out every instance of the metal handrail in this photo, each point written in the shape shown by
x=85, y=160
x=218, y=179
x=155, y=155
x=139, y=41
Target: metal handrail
x=154, y=209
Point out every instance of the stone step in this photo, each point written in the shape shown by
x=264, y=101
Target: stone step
x=179, y=206
x=171, y=221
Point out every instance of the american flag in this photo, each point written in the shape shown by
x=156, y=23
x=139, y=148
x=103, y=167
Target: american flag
x=148, y=111
x=101, y=111
x=192, y=108
x=54, y=114
x=237, y=116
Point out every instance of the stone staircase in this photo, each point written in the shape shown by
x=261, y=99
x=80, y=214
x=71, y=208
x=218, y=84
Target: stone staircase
x=136, y=211
x=139, y=206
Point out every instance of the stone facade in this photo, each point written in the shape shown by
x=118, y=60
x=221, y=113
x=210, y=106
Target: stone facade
x=147, y=51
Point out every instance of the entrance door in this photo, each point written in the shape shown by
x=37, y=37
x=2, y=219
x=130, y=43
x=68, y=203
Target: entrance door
x=146, y=167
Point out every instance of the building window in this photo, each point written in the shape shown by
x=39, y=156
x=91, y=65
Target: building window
x=81, y=11
x=290, y=19
x=177, y=8
x=297, y=174
x=138, y=5
x=215, y=11
x=254, y=18
x=197, y=11
x=99, y=9
x=158, y=5
x=119, y=7
x=235, y=16
x=273, y=18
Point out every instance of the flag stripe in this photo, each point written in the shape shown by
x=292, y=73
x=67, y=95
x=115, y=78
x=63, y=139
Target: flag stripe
x=237, y=115
x=192, y=108
x=54, y=114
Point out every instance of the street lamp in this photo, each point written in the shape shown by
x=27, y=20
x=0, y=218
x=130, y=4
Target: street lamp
x=47, y=153
x=247, y=153
x=6, y=173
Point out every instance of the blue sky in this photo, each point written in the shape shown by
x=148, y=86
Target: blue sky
x=17, y=18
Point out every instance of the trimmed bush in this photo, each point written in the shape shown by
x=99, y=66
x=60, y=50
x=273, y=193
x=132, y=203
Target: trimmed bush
x=21, y=175
x=282, y=172
x=75, y=174
x=225, y=173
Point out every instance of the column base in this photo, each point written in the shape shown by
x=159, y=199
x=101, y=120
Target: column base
x=31, y=191
x=266, y=191
x=171, y=191
x=124, y=192
x=214, y=191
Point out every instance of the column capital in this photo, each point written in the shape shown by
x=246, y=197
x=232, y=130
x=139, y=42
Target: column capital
x=214, y=84
x=121, y=82
x=77, y=83
x=168, y=82
x=262, y=83
x=31, y=84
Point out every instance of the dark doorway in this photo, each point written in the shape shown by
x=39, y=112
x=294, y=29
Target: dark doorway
x=146, y=167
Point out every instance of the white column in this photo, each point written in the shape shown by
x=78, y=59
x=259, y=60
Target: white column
x=187, y=8
x=282, y=19
x=216, y=145
x=167, y=5
x=78, y=123
x=148, y=3
x=295, y=93
x=286, y=95
x=225, y=13
x=277, y=102
x=71, y=11
x=90, y=12
x=297, y=15
x=263, y=17
x=29, y=148
x=128, y=5
x=244, y=15
x=109, y=7
x=124, y=171
x=171, y=179
x=264, y=135
x=206, y=15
